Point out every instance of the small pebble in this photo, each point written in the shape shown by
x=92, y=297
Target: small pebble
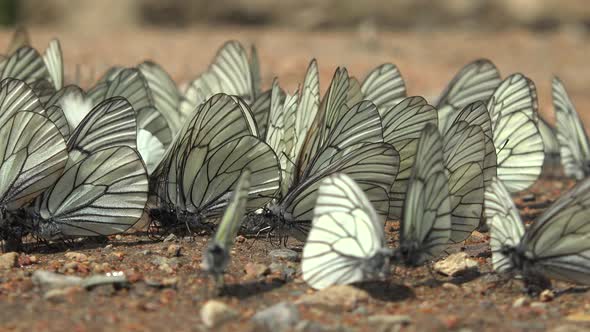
x=388, y=321
x=108, y=246
x=450, y=286
x=538, y=305
x=240, y=239
x=528, y=198
x=60, y=294
x=283, y=254
x=520, y=302
x=215, y=313
x=336, y=298
x=279, y=317
x=170, y=238
x=118, y=237
x=456, y=264
x=174, y=250
x=546, y=295
x=255, y=270
x=8, y=260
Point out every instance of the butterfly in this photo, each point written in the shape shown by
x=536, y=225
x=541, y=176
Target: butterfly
x=33, y=153
x=103, y=189
x=519, y=145
x=230, y=72
x=217, y=254
x=206, y=160
x=402, y=126
x=69, y=105
x=474, y=82
x=554, y=246
x=574, y=146
x=384, y=86
x=341, y=139
x=346, y=243
x=426, y=225
x=464, y=152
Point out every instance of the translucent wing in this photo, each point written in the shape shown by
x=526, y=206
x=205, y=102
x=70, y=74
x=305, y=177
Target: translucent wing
x=261, y=108
x=354, y=94
x=474, y=82
x=360, y=125
x=308, y=106
x=571, y=135
x=102, y=194
x=402, y=125
x=43, y=89
x=57, y=116
x=516, y=93
x=153, y=137
x=26, y=64
x=110, y=123
x=345, y=236
x=557, y=242
x=549, y=136
x=464, y=152
x=232, y=67
x=232, y=218
x=16, y=95
x=476, y=114
x=255, y=70
x=131, y=85
x=288, y=157
x=164, y=92
x=217, y=254
x=374, y=168
x=32, y=156
x=53, y=59
x=506, y=227
x=331, y=110
x=207, y=177
x=276, y=122
x=520, y=151
x=384, y=86
x=426, y=223
x=74, y=104
x=20, y=38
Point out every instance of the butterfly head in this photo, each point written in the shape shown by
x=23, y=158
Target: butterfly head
x=408, y=254
x=378, y=265
x=215, y=259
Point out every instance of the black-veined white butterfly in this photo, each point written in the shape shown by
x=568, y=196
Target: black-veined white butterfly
x=206, y=160
x=231, y=72
x=402, y=126
x=474, y=82
x=71, y=104
x=384, y=86
x=32, y=151
x=574, y=146
x=555, y=246
x=464, y=152
x=519, y=145
x=426, y=223
x=340, y=140
x=346, y=242
x=216, y=256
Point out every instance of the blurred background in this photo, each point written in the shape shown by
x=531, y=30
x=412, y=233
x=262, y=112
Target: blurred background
x=428, y=40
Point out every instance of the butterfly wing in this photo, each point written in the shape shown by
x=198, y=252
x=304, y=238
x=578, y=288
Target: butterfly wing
x=426, y=223
x=506, y=227
x=345, y=234
x=402, y=125
x=32, y=156
x=53, y=59
x=464, y=152
x=474, y=82
x=571, y=135
x=384, y=86
x=558, y=241
x=102, y=194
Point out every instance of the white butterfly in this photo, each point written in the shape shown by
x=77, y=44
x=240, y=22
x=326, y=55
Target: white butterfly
x=346, y=242
x=555, y=246
x=574, y=146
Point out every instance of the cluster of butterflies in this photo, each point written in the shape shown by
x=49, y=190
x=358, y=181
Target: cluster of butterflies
x=328, y=171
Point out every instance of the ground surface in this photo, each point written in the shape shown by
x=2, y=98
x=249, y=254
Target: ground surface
x=427, y=60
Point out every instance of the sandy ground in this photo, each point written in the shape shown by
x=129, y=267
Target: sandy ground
x=427, y=60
